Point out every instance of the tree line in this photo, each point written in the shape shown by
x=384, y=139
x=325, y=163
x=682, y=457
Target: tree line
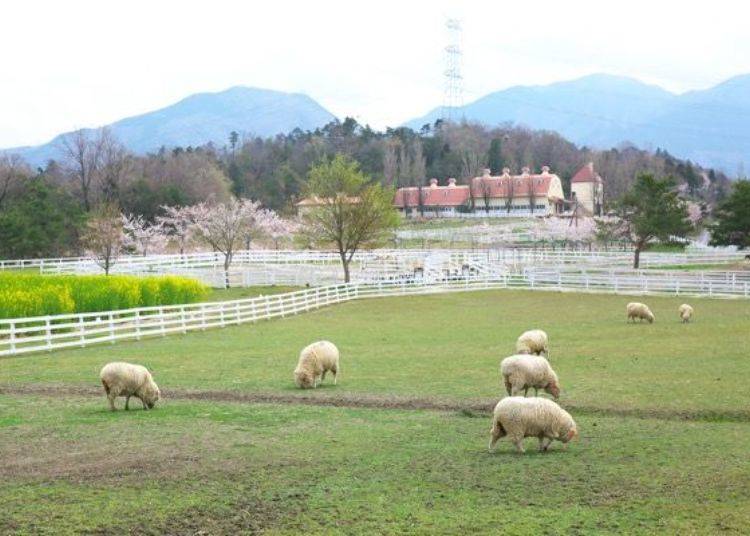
x=43, y=211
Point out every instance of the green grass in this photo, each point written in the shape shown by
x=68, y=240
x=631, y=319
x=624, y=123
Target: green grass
x=451, y=346
x=662, y=410
x=283, y=469
x=239, y=293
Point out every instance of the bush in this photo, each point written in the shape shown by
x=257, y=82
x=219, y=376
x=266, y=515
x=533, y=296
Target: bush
x=25, y=295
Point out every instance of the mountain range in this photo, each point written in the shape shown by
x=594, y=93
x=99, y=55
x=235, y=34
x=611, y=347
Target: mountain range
x=203, y=118
x=711, y=126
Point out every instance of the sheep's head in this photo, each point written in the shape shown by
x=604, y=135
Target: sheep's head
x=151, y=395
x=650, y=317
x=303, y=379
x=569, y=434
x=553, y=388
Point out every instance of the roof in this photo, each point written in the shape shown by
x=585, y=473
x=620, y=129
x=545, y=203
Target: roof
x=512, y=186
x=586, y=174
x=443, y=196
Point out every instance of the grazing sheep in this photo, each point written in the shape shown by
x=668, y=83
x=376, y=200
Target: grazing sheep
x=519, y=417
x=126, y=379
x=314, y=361
x=640, y=311
x=520, y=372
x=686, y=312
x=534, y=341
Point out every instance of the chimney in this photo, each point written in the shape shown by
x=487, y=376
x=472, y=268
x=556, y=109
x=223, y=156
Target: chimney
x=433, y=183
x=485, y=172
x=525, y=170
x=545, y=170
x=452, y=183
x=506, y=171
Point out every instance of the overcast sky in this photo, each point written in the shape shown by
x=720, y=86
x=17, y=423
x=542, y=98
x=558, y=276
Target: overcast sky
x=74, y=63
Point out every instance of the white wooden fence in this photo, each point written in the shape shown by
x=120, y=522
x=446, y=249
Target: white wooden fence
x=23, y=335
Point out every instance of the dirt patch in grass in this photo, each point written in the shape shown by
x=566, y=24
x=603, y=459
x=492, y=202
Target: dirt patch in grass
x=246, y=516
x=376, y=401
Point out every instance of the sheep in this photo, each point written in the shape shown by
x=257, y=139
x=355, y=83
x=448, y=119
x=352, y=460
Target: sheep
x=126, y=379
x=534, y=341
x=639, y=311
x=686, y=313
x=314, y=361
x=519, y=417
x=522, y=371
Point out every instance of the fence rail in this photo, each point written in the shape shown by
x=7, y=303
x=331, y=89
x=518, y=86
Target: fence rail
x=24, y=335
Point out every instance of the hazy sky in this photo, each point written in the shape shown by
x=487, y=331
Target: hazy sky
x=74, y=63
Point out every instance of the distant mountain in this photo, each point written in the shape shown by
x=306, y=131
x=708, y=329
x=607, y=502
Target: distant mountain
x=203, y=118
x=711, y=126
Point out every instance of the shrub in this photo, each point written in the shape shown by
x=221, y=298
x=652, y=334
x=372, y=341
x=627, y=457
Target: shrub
x=25, y=295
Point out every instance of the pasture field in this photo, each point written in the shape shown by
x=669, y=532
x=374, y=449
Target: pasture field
x=399, y=445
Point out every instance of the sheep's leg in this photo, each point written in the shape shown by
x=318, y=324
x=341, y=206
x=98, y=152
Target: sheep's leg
x=496, y=433
x=111, y=397
x=335, y=376
x=144, y=404
x=508, y=387
x=515, y=390
x=544, y=443
x=526, y=391
x=127, y=402
x=518, y=442
x=536, y=391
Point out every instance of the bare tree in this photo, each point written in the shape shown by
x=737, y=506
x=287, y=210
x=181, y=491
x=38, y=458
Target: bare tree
x=390, y=162
x=103, y=236
x=82, y=154
x=510, y=194
x=12, y=172
x=115, y=163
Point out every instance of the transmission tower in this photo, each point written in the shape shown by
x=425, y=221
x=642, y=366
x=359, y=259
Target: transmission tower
x=453, y=97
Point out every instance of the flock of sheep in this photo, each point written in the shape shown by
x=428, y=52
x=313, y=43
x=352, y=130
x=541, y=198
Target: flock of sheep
x=515, y=416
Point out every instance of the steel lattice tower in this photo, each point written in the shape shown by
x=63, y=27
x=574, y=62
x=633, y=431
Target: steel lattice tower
x=453, y=97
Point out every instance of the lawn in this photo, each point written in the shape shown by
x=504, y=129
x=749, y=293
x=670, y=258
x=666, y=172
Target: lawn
x=663, y=411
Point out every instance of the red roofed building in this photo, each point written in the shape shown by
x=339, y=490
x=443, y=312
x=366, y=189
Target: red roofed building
x=587, y=188
x=504, y=195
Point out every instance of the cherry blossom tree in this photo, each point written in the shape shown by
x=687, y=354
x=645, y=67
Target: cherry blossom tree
x=178, y=224
x=143, y=235
x=275, y=227
x=224, y=226
x=568, y=229
x=103, y=236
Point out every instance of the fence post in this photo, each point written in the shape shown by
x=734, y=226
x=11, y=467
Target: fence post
x=111, y=328
x=12, y=337
x=203, y=318
x=221, y=314
x=161, y=321
x=183, y=321
x=48, y=331
x=81, y=331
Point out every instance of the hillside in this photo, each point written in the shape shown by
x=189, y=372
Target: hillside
x=710, y=126
x=206, y=117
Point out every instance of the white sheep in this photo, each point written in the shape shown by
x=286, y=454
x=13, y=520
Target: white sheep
x=639, y=311
x=534, y=341
x=521, y=372
x=519, y=417
x=686, y=312
x=314, y=361
x=126, y=379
